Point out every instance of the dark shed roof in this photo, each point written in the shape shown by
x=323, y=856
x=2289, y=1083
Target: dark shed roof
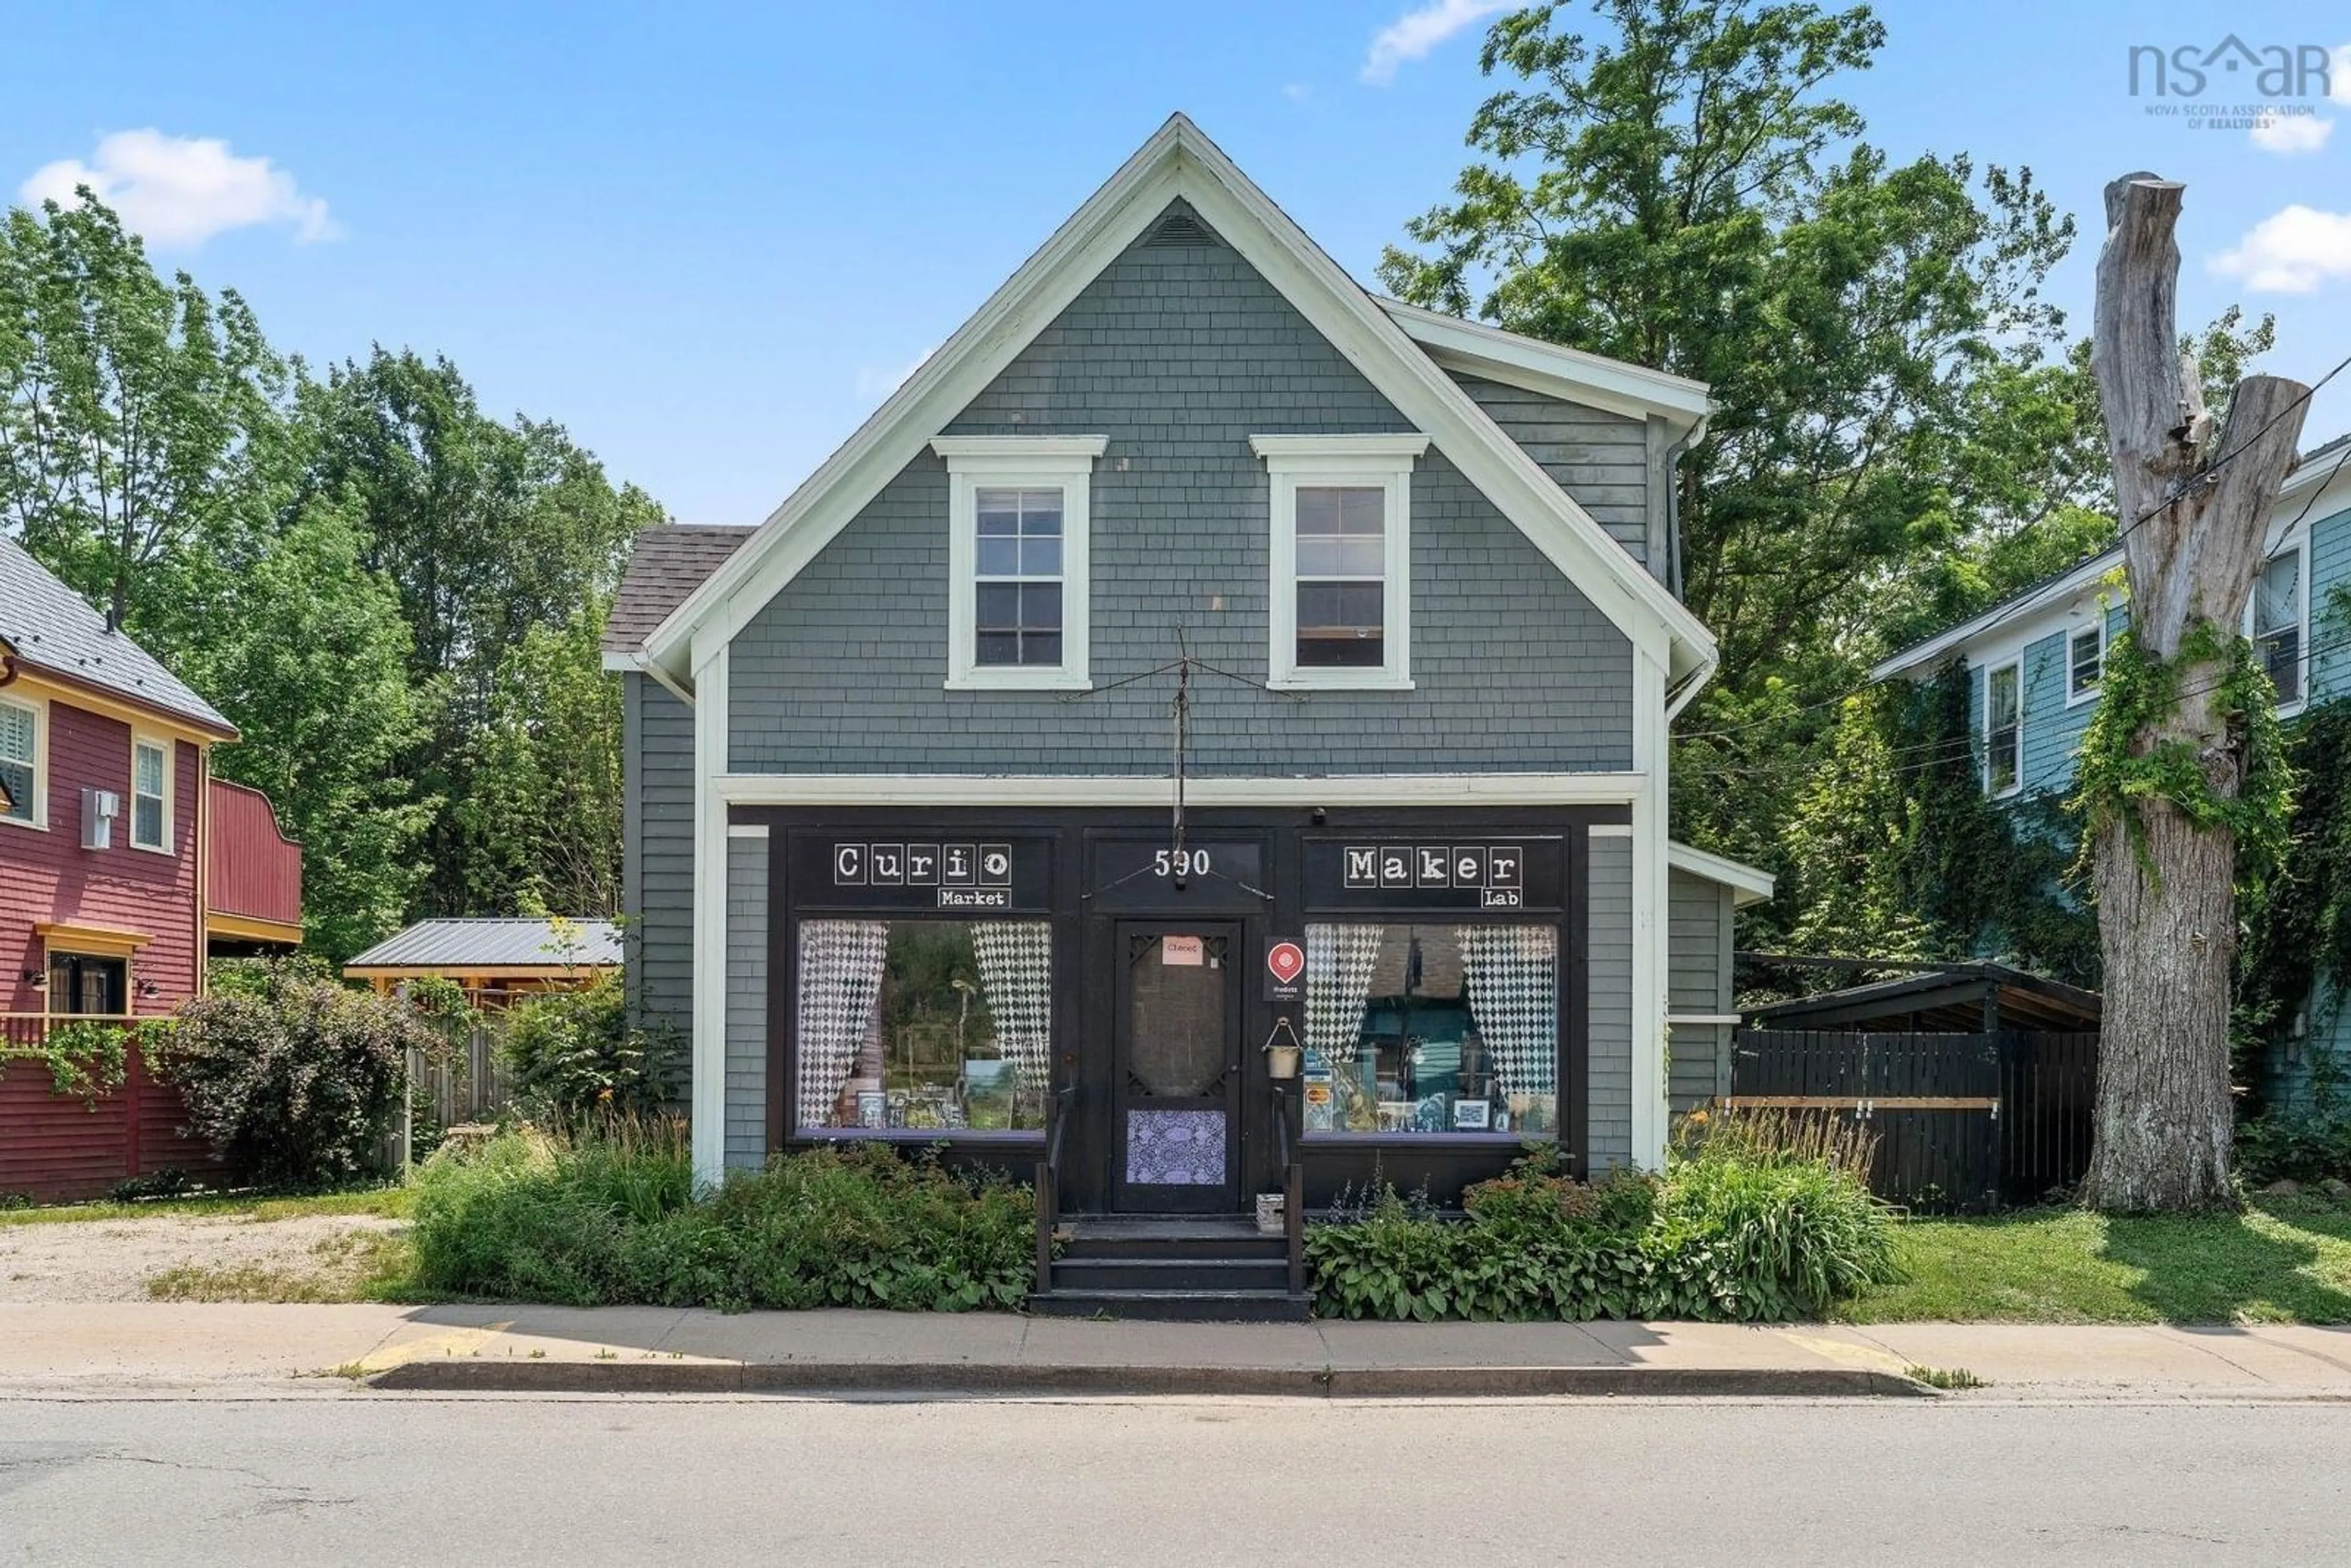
x=1944, y=998
x=491, y=944
x=665, y=564
x=52, y=628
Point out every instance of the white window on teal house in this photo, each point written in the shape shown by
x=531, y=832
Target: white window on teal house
x=2277, y=613
x=2004, y=729
x=1017, y=520
x=1340, y=599
x=2086, y=661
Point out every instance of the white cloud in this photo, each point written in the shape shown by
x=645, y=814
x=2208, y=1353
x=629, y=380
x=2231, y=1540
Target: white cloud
x=2292, y=133
x=182, y=190
x=875, y=382
x=1413, y=34
x=2291, y=252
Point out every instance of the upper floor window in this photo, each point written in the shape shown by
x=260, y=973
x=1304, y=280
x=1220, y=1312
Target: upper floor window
x=151, y=794
x=2004, y=728
x=1018, y=509
x=1339, y=597
x=2086, y=661
x=2277, y=619
x=20, y=765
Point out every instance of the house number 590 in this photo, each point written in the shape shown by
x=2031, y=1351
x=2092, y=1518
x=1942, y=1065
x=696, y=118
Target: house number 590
x=1183, y=864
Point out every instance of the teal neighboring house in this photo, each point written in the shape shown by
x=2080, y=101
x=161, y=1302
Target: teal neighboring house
x=2034, y=662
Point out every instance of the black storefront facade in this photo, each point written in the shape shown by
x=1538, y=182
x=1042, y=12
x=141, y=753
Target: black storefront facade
x=965, y=978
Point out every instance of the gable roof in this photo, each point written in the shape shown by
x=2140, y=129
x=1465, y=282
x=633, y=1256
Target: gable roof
x=1180, y=161
x=2315, y=471
x=665, y=564
x=1616, y=386
x=53, y=630
x=492, y=945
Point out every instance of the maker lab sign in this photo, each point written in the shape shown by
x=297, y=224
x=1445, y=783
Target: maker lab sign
x=1524, y=873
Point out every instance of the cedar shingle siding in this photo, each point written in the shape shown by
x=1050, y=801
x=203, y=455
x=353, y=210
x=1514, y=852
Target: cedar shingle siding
x=1179, y=353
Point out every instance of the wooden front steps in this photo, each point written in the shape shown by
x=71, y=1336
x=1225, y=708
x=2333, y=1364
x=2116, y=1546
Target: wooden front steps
x=1206, y=1269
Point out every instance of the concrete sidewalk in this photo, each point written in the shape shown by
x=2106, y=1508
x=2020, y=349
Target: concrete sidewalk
x=178, y=1348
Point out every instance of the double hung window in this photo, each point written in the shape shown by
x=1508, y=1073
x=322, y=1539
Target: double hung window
x=2004, y=728
x=1018, y=514
x=1340, y=598
x=20, y=765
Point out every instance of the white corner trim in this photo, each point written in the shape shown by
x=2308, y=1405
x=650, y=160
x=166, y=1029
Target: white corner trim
x=946, y=789
x=707, y=1090
x=1650, y=1107
x=1735, y=875
x=1178, y=160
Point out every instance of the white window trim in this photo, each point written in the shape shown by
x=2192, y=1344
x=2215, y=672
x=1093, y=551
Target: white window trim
x=2302, y=622
x=1361, y=462
x=2073, y=697
x=171, y=767
x=1035, y=461
x=2016, y=786
x=40, y=711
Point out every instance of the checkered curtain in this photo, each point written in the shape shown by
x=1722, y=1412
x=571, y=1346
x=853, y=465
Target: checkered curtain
x=1339, y=960
x=840, y=981
x=1512, y=973
x=1015, y=970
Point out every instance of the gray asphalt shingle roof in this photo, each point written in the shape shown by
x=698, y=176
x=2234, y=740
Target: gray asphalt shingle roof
x=491, y=944
x=54, y=629
x=665, y=564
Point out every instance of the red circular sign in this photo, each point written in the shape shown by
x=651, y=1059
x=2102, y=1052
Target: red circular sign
x=1287, y=960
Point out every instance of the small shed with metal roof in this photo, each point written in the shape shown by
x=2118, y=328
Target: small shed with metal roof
x=493, y=958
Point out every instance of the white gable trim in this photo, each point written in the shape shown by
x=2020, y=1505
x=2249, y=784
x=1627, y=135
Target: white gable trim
x=1749, y=885
x=1472, y=348
x=1180, y=161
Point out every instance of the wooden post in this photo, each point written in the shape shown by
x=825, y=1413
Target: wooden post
x=2193, y=509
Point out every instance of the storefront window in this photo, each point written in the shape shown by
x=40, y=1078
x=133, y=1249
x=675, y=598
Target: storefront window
x=925, y=1025
x=1432, y=1028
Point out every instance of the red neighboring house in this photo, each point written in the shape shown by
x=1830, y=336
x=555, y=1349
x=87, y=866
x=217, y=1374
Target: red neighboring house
x=122, y=862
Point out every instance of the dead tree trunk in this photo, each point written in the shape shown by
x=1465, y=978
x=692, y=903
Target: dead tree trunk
x=2193, y=509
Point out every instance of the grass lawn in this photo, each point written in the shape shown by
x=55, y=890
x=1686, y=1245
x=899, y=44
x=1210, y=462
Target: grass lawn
x=2282, y=1260
x=390, y=1202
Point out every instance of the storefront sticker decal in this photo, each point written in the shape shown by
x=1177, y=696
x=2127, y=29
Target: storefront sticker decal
x=1496, y=873
x=1183, y=952
x=1285, y=965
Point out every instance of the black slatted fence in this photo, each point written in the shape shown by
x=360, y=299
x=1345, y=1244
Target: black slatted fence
x=1965, y=1122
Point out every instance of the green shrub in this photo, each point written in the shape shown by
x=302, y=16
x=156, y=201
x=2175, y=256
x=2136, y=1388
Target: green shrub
x=296, y=1077
x=1751, y=1224
x=574, y=1056
x=2294, y=1148
x=610, y=1217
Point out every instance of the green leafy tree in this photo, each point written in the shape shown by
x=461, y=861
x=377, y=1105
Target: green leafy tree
x=489, y=533
x=543, y=820
x=139, y=418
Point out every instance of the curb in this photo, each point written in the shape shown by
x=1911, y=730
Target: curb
x=957, y=1378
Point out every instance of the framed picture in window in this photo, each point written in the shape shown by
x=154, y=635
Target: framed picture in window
x=1471, y=1115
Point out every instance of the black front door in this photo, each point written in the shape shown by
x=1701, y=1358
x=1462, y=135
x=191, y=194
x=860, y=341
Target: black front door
x=1176, y=1069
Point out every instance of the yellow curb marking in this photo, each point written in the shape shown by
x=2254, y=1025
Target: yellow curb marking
x=455, y=1342
x=1862, y=1355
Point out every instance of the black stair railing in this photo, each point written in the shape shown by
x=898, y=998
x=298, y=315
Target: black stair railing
x=1048, y=1181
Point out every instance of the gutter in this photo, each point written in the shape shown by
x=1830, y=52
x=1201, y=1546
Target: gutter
x=635, y=659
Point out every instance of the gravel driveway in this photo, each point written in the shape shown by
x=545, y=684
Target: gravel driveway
x=112, y=1259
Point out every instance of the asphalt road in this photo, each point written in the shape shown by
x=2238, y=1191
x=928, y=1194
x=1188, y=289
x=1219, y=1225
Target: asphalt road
x=377, y=1479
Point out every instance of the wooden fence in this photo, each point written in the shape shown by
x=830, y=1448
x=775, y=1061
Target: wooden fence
x=1964, y=1122
x=58, y=1148
x=468, y=1084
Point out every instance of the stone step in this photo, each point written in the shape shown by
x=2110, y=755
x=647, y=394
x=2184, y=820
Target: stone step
x=1177, y=1273
x=1176, y=1306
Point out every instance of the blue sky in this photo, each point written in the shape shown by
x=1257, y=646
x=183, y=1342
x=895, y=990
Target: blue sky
x=709, y=238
